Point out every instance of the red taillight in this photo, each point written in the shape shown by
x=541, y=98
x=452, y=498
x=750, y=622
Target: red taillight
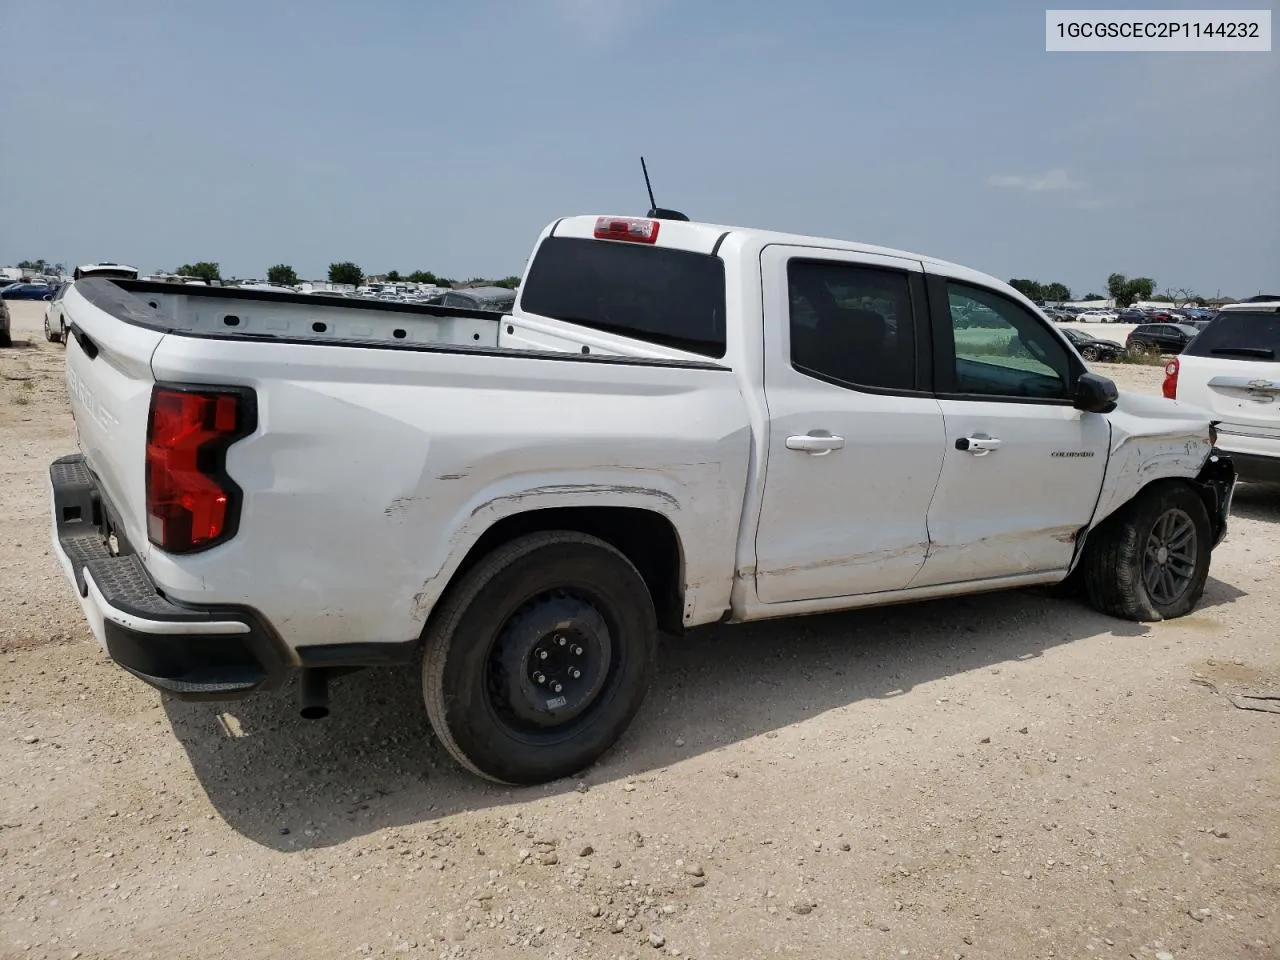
x=191, y=502
x=632, y=229
x=1170, y=386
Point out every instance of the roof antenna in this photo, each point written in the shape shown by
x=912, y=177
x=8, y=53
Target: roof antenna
x=655, y=211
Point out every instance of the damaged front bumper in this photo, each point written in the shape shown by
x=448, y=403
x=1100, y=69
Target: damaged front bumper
x=1217, y=483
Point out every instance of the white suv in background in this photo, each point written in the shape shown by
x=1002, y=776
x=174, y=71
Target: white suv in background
x=1233, y=370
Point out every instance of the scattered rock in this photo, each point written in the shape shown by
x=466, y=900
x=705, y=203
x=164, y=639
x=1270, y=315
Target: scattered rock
x=619, y=925
x=679, y=741
x=595, y=910
x=549, y=859
x=1164, y=955
x=586, y=850
x=657, y=941
x=801, y=908
x=698, y=882
x=1220, y=833
x=694, y=870
x=30, y=738
x=1022, y=729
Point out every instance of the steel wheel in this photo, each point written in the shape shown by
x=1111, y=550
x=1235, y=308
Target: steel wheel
x=549, y=664
x=1169, y=559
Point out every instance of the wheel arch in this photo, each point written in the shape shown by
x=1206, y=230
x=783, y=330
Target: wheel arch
x=645, y=537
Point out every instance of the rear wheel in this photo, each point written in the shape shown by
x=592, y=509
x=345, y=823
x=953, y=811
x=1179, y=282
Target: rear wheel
x=1150, y=560
x=49, y=333
x=1140, y=348
x=538, y=659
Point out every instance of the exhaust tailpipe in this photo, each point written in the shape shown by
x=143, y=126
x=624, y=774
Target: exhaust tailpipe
x=313, y=693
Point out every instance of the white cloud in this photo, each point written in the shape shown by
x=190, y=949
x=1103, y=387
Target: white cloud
x=1057, y=179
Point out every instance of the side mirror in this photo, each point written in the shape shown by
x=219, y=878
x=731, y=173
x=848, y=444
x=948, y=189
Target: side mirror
x=1095, y=394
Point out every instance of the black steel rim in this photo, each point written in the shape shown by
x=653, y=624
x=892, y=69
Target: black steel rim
x=550, y=666
x=1169, y=560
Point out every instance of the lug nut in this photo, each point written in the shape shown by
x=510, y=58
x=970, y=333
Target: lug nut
x=542, y=654
x=556, y=686
x=577, y=651
x=539, y=678
x=575, y=673
x=561, y=640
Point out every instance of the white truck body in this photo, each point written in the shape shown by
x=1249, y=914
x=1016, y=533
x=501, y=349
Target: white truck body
x=392, y=445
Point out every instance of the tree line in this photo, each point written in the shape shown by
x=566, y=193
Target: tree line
x=1125, y=291
x=282, y=274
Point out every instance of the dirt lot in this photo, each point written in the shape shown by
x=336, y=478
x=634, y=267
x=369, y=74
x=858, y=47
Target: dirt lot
x=1007, y=776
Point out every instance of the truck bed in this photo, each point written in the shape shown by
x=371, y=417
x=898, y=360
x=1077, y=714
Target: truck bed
x=231, y=313
x=389, y=438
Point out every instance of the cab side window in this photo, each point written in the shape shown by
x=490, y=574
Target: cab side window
x=852, y=325
x=1002, y=349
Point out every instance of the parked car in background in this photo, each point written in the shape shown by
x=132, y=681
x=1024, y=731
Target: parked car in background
x=493, y=299
x=1131, y=315
x=6, y=336
x=55, y=320
x=1233, y=371
x=27, y=291
x=1156, y=338
x=1092, y=348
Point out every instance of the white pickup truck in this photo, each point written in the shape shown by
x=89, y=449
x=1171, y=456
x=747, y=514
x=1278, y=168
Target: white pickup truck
x=678, y=424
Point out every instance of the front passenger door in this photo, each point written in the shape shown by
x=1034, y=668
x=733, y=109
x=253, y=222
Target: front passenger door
x=1023, y=468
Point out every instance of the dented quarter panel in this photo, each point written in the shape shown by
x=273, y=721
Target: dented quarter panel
x=1151, y=439
x=373, y=472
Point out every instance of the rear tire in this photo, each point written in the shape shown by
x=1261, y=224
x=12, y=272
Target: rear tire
x=48, y=332
x=1150, y=559
x=1139, y=349
x=539, y=657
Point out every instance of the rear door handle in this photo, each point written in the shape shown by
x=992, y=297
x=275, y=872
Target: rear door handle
x=978, y=446
x=816, y=444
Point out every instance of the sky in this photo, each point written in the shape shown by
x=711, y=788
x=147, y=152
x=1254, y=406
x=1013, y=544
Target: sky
x=418, y=134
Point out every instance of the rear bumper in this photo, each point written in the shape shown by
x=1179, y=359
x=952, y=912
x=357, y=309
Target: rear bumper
x=1257, y=467
x=221, y=652
x=205, y=653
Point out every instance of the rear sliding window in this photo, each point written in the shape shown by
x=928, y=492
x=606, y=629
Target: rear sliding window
x=670, y=297
x=1240, y=335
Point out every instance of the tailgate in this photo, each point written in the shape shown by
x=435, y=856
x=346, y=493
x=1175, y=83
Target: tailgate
x=1240, y=393
x=109, y=384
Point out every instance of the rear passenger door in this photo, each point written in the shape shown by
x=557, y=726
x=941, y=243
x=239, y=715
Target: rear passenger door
x=855, y=440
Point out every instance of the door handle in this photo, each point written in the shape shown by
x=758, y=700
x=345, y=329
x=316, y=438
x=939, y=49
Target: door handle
x=978, y=446
x=816, y=444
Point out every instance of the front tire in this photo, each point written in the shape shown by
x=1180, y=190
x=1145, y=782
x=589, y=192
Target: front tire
x=539, y=657
x=1090, y=354
x=1150, y=559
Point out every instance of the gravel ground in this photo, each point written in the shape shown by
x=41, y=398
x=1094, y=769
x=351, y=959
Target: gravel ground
x=1008, y=776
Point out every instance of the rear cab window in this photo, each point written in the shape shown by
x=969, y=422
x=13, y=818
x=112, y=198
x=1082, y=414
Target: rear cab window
x=659, y=295
x=1239, y=335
